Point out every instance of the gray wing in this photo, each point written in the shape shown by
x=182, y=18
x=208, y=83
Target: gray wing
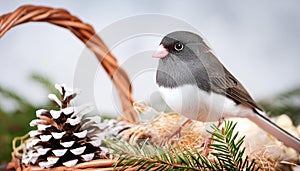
x=228, y=85
x=222, y=81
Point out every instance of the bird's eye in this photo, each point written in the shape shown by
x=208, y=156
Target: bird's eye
x=178, y=46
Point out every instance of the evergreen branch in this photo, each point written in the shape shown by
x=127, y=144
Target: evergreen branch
x=45, y=82
x=154, y=157
x=10, y=94
x=286, y=102
x=227, y=152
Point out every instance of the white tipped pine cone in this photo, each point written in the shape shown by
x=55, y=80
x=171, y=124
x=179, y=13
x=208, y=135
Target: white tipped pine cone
x=66, y=137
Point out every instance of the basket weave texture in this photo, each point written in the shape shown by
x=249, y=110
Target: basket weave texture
x=87, y=34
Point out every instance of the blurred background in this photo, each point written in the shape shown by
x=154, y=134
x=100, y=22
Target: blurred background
x=258, y=41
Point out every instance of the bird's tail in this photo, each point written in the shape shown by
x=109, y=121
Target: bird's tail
x=266, y=124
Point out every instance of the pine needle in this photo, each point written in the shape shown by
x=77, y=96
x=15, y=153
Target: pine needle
x=227, y=154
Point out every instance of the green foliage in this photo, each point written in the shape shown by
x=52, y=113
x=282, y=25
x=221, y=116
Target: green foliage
x=15, y=123
x=227, y=154
x=284, y=103
x=228, y=150
x=45, y=82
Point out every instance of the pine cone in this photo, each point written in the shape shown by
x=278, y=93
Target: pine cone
x=66, y=136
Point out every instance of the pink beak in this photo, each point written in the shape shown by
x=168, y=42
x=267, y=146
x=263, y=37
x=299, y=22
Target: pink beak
x=161, y=52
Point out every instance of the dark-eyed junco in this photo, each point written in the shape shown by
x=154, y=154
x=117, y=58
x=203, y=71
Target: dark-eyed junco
x=194, y=83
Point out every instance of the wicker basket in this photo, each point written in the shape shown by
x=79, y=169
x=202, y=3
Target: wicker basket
x=87, y=35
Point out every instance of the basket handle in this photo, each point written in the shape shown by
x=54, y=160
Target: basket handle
x=87, y=35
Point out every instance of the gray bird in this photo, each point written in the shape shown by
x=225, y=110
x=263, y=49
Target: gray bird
x=194, y=83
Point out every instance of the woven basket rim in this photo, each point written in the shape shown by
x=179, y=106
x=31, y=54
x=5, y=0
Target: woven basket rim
x=86, y=33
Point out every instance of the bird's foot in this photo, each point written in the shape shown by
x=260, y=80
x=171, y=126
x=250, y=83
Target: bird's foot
x=177, y=132
x=206, y=147
x=169, y=137
x=220, y=122
x=208, y=141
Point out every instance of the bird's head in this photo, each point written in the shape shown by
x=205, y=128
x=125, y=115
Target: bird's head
x=180, y=56
x=179, y=44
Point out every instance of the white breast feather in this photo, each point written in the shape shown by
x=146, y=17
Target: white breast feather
x=197, y=104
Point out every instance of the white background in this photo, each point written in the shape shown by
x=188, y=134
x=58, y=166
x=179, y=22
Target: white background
x=258, y=41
